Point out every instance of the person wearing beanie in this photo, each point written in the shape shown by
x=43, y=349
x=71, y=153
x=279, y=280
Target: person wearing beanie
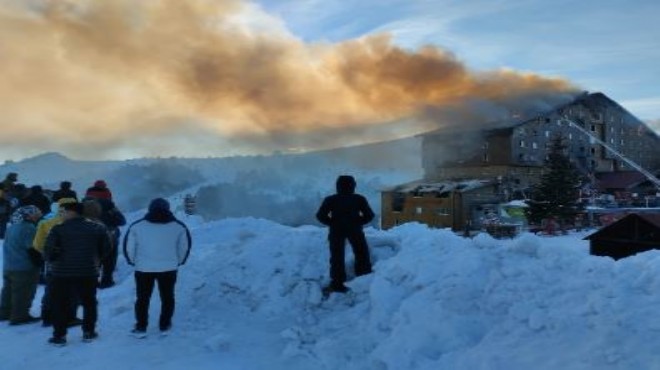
x=99, y=191
x=65, y=191
x=112, y=218
x=346, y=213
x=73, y=251
x=20, y=272
x=39, y=243
x=156, y=246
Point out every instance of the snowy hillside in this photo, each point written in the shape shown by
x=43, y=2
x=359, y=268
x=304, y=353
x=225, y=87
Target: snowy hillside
x=251, y=186
x=249, y=298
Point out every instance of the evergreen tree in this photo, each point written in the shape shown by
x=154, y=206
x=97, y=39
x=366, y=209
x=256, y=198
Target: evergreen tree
x=557, y=193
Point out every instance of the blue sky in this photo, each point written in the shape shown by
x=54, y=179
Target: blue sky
x=611, y=46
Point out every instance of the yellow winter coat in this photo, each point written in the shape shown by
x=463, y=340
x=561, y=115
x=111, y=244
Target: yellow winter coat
x=44, y=227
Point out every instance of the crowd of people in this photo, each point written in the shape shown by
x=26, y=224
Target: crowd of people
x=74, y=242
x=72, y=246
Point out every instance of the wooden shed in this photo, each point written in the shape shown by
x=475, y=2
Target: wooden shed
x=634, y=233
x=437, y=204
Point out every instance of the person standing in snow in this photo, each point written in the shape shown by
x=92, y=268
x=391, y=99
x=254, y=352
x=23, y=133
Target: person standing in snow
x=156, y=245
x=74, y=250
x=112, y=218
x=20, y=270
x=346, y=213
x=65, y=192
x=39, y=244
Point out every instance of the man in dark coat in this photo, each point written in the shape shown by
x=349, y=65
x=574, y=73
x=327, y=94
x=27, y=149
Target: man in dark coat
x=346, y=213
x=64, y=192
x=10, y=180
x=74, y=249
x=38, y=199
x=112, y=218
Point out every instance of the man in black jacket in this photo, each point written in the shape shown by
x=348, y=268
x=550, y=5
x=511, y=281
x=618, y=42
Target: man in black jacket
x=38, y=199
x=112, y=218
x=346, y=213
x=74, y=250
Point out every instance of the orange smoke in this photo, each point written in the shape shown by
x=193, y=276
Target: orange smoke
x=96, y=75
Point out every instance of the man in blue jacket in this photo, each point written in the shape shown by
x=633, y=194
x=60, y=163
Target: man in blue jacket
x=20, y=269
x=346, y=213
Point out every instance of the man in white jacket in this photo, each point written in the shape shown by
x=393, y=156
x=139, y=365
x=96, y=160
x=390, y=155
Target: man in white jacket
x=156, y=245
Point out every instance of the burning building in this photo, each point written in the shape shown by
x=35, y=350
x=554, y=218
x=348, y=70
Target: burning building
x=510, y=155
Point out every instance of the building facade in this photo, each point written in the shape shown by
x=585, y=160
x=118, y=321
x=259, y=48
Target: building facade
x=508, y=158
x=523, y=144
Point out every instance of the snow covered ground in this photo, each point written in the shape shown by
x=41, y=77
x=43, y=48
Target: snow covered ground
x=249, y=298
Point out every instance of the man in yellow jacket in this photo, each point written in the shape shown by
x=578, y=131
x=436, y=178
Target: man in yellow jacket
x=45, y=226
x=43, y=229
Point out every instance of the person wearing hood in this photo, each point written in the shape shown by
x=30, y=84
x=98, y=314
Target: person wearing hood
x=20, y=272
x=346, y=213
x=38, y=199
x=156, y=246
x=64, y=192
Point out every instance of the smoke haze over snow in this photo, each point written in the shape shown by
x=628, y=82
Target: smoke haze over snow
x=120, y=78
x=654, y=124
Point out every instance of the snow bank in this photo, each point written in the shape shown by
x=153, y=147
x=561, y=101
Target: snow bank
x=250, y=298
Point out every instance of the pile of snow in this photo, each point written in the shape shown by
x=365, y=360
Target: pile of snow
x=250, y=298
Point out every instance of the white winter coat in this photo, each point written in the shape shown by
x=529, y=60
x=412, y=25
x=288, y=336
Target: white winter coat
x=157, y=247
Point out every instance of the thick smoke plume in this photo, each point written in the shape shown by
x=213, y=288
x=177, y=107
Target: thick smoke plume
x=124, y=77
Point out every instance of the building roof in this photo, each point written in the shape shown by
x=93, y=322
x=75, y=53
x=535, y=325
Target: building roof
x=423, y=187
x=596, y=101
x=650, y=218
x=619, y=180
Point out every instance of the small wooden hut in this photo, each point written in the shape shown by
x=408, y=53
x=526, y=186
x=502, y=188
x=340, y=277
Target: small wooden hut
x=634, y=233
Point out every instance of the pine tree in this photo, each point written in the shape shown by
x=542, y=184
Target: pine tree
x=557, y=193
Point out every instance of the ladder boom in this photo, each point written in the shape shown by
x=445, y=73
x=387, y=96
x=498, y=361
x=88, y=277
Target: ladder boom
x=618, y=154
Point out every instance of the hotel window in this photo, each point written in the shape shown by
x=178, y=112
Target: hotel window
x=522, y=144
x=547, y=134
x=535, y=145
x=593, y=150
x=570, y=136
x=418, y=210
x=621, y=141
x=611, y=140
x=593, y=128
